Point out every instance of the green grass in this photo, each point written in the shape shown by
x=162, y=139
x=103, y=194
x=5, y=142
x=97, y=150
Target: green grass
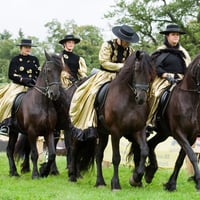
x=59, y=188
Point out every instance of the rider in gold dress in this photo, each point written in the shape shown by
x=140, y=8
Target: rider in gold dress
x=112, y=56
x=23, y=72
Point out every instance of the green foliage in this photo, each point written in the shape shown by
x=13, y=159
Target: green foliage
x=88, y=48
x=59, y=188
x=149, y=17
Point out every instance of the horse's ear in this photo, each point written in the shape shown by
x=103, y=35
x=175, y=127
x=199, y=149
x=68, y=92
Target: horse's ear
x=47, y=55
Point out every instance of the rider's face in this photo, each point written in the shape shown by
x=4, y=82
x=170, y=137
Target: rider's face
x=173, y=38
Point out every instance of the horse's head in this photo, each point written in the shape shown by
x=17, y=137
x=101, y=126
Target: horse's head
x=143, y=72
x=191, y=80
x=50, y=77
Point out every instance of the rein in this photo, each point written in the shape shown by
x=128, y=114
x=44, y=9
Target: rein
x=44, y=90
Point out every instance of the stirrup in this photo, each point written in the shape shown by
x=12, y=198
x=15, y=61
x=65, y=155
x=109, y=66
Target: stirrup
x=4, y=130
x=150, y=129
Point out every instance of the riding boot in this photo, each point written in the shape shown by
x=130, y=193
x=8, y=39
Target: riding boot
x=5, y=126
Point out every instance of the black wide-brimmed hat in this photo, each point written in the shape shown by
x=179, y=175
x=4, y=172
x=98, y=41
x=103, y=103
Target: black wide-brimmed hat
x=126, y=33
x=70, y=37
x=172, y=28
x=26, y=42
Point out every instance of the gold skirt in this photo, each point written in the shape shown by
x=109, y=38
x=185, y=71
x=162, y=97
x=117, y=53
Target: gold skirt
x=7, y=96
x=82, y=110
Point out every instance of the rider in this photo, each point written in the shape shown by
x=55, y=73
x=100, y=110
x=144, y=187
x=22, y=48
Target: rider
x=75, y=63
x=112, y=56
x=23, y=72
x=171, y=62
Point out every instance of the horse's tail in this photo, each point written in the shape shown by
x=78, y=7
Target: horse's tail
x=22, y=147
x=85, y=151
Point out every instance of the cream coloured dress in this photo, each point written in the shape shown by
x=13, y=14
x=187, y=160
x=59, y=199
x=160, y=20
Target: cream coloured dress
x=82, y=110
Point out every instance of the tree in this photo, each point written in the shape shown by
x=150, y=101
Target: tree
x=148, y=17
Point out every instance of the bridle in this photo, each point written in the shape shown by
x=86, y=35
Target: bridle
x=137, y=86
x=45, y=90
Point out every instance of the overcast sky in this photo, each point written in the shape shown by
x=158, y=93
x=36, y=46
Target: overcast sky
x=32, y=15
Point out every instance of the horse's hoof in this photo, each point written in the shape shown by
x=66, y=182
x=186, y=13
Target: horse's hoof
x=24, y=171
x=54, y=173
x=116, y=190
x=35, y=176
x=149, y=173
x=191, y=178
x=14, y=174
x=133, y=183
x=72, y=179
x=115, y=187
x=99, y=185
x=169, y=187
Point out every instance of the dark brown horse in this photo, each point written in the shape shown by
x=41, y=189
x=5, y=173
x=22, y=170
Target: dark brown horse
x=124, y=115
x=181, y=121
x=125, y=112
x=36, y=116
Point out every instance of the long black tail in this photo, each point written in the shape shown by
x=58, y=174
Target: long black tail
x=86, y=151
x=22, y=147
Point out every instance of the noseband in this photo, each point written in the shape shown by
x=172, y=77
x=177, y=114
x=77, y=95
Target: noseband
x=44, y=90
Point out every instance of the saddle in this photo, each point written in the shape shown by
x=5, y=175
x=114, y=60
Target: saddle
x=100, y=101
x=163, y=102
x=17, y=102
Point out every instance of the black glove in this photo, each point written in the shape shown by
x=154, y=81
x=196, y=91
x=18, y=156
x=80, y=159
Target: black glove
x=171, y=79
x=28, y=82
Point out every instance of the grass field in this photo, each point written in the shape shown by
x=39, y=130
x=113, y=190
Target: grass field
x=59, y=188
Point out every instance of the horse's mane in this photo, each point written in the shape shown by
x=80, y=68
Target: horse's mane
x=146, y=65
x=191, y=69
x=54, y=58
x=195, y=61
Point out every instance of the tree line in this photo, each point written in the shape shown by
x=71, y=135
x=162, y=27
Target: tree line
x=147, y=17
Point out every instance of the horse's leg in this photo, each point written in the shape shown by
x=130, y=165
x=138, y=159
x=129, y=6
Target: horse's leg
x=138, y=173
x=34, y=156
x=54, y=168
x=102, y=143
x=25, y=166
x=72, y=168
x=116, y=158
x=68, y=141
x=171, y=184
x=186, y=149
x=45, y=168
x=153, y=165
x=10, y=152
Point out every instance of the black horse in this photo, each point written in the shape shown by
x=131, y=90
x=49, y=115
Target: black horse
x=36, y=116
x=123, y=116
x=181, y=120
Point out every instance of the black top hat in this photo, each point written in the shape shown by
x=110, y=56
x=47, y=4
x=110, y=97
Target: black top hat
x=69, y=37
x=126, y=33
x=26, y=42
x=172, y=28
